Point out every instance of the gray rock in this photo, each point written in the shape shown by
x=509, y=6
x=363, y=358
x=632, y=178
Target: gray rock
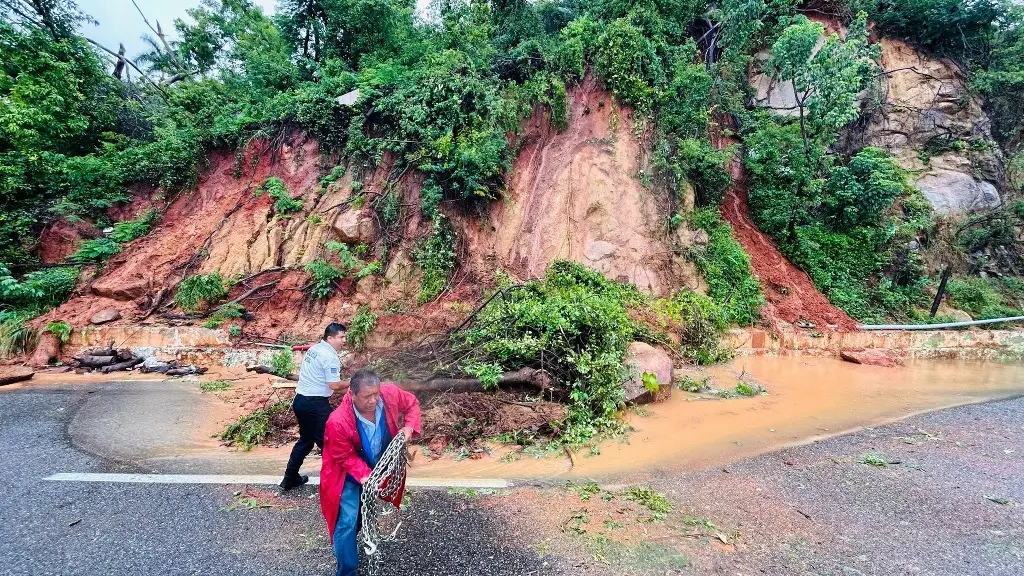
x=643, y=358
x=598, y=250
x=104, y=316
x=957, y=193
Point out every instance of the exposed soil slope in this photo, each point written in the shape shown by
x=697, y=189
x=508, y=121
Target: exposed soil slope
x=789, y=291
x=578, y=195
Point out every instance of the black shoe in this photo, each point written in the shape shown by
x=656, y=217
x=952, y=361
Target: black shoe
x=290, y=482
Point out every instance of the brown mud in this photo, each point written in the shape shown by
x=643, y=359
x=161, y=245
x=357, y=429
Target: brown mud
x=808, y=399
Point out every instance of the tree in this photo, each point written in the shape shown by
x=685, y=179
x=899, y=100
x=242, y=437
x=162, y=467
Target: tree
x=826, y=76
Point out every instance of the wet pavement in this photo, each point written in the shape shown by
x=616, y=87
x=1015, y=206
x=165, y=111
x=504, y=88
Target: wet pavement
x=67, y=528
x=936, y=494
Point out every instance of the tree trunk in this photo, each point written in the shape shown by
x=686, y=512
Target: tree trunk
x=940, y=292
x=540, y=379
x=121, y=366
x=89, y=361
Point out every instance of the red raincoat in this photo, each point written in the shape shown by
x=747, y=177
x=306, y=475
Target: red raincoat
x=342, y=443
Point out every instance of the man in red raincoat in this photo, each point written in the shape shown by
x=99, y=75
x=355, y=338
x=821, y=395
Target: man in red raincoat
x=357, y=433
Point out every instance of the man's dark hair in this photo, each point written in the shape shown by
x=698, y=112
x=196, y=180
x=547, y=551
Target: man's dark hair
x=333, y=329
x=363, y=377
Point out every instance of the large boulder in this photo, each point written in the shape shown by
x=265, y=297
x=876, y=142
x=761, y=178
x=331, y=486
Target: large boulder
x=956, y=192
x=872, y=357
x=105, y=315
x=122, y=288
x=47, y=351
x=643, y=359
x=354, y=227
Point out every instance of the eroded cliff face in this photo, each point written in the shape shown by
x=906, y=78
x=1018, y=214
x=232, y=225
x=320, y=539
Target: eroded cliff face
x=936, y=129
x=923, y=113
x=578, y=195
x=575, y=195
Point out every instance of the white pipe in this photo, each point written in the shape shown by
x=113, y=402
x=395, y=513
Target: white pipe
x=937, y=326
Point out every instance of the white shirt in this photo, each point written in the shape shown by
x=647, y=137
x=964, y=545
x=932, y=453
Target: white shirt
x=321, y=365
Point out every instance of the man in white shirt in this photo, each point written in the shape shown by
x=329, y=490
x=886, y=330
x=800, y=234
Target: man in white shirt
x=319, y=377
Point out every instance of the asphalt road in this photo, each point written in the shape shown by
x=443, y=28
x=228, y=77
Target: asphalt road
x=66, y=528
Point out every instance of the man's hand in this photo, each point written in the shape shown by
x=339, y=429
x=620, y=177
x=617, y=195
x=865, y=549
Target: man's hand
x=407, y=431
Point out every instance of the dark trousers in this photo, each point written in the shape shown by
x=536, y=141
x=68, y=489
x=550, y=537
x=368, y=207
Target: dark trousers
x=312, y=413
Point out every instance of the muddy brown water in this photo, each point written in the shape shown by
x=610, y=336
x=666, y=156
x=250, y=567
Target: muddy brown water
x=808, y=399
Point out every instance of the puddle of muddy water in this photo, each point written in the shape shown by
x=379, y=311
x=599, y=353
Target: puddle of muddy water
x=808, y=398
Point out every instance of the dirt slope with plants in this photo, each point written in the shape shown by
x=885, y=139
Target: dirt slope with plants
x=790, y=294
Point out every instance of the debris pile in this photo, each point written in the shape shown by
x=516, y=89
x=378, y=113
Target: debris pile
x=108, y=360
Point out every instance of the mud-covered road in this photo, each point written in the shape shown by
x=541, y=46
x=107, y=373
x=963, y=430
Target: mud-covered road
x=935, y=494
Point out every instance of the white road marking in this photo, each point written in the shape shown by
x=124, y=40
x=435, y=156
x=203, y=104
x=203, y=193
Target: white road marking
x=478, y=483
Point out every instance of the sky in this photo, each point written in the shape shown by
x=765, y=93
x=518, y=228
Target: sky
x=120, y=22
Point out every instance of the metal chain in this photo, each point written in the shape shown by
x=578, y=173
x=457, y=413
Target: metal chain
x=380, y=488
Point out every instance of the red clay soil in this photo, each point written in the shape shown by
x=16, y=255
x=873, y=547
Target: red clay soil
x=790, y=293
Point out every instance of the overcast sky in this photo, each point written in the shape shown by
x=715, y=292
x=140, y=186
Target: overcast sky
x=119, y=21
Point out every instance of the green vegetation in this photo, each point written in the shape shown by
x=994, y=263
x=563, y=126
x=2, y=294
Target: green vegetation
x=726, y=268
x=572, y=323
x=876, y=459
x=282, y=363
x=360, y=327
x=324, y=274
x=845, y=220
x=199, y=291
x=222, y=314
x=284, y=204
x=252, y=429
x=648, y=498
x=437, y=259
x=60, y=329
x=16, y=337
x=980, y=298
x=214, y=386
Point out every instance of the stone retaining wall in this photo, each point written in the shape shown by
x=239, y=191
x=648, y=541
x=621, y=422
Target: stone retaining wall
x=205, y=346
x=977, y=344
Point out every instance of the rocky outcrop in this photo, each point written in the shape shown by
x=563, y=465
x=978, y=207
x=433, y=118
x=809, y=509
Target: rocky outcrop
x=926, y=117
x=937, y=130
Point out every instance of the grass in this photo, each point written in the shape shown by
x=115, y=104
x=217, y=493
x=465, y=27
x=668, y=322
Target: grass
x=252, y=429
x=648, y=498
x=214, y=386
x=16, y=337
x=876, y=459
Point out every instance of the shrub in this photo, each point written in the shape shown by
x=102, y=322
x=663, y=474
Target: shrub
x=282, y=363
x=37, y=291
x=129, y=230
x=284, y=204
x=437, y=260
x=703, y=322
x=94, y=251
x=199, y=291
x=322, y=277
x=979, y=298
x=61, y=329
x=726, y=269
x=573, y=323
x=360, y=327
x=16, y=336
